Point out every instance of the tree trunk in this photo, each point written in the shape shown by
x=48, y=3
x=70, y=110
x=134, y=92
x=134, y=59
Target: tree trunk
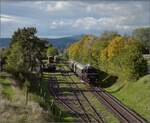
x=27, y=93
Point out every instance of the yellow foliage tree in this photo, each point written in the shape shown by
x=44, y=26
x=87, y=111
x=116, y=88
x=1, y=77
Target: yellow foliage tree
x=73, y=50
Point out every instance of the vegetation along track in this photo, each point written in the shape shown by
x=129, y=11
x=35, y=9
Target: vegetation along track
x=92, y=115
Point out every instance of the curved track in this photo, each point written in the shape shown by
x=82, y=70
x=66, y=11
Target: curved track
x=122, y=112
x=54, y=92
x=91, y=118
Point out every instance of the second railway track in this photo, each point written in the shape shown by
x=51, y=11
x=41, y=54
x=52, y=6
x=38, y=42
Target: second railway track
x=122, y=112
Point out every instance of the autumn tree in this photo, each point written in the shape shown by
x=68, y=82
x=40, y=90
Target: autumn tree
x=73, y=51
x=124, y=58
x=101, y=42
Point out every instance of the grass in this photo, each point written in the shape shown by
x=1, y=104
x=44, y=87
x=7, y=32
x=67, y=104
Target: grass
x=13, y=108
x=56, y=108
x=135, y=95
x=6, y=90
x=66, y=117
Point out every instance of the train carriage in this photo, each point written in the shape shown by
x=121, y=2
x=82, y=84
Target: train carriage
x=86, y=73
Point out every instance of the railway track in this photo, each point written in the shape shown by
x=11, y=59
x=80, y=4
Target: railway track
x=89, y=116
x=116, y=107
x=86, y=116
x=62, y=101
x=124, y=114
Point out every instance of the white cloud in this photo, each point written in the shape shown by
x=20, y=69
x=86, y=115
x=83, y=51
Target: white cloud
x=57, y=6
x=86, y=23
x=38, y=2
x=92, y=23
x=60, y=23
x=71, y=17
x=14, y=19
x=9, y=18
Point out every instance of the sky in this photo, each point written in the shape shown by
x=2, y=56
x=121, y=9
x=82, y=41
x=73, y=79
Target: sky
x=66, y=18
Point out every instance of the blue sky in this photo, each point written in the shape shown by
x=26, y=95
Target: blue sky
x=66, y=18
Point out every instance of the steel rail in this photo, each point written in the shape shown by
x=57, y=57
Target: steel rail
x=65, y=104
x=130, y=115
x=97, y=114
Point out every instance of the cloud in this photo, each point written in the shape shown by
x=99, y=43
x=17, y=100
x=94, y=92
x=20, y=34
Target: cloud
x=9, y=18
x=59, y=23
x=86, y=23
x=57, y=6
x=75, y=17
x=92, y=24
x=4, y=18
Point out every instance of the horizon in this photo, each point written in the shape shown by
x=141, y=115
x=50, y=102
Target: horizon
x=57, y=19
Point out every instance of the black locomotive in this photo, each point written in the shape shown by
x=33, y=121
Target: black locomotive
x=53, y=59
x=49, y=68
x=86, y=73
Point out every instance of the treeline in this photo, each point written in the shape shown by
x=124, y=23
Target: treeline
x=113, y=53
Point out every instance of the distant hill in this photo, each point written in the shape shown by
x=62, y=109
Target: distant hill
x=60, y=43
x=4, y=42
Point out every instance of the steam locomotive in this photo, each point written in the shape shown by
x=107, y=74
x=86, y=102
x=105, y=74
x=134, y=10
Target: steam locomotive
x=86, y=73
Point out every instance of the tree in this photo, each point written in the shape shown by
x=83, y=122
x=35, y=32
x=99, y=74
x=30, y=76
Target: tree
x=32, y=47
x=143, y=36
x=100, y=44
x=124, y=58
x=26, y=53
x=112, y=53
x=4, y=52
x=52, y=51
x=108, y=35
x=15, y=61
x=73, y=51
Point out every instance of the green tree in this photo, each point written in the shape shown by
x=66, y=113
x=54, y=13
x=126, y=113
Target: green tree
x=26, y=53
x=52, y=51
x=143, y=35
x=31, y=46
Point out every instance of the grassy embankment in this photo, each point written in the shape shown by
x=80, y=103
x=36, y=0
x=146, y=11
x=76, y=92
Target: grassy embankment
x=135, y=95
x=13, y=108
